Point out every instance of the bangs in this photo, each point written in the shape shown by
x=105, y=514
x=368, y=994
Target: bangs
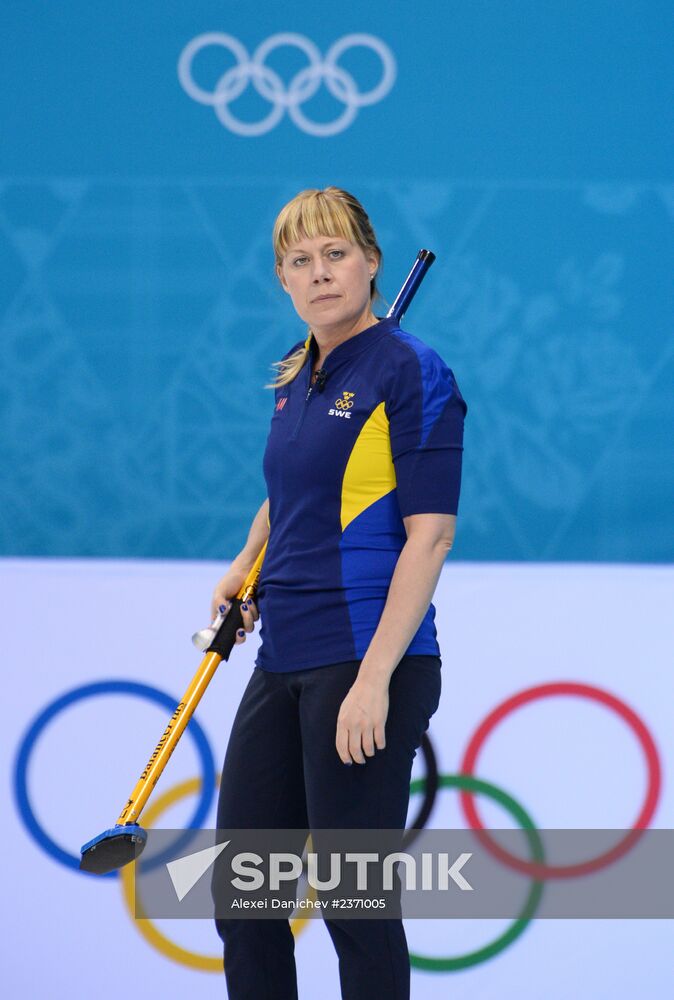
x=310, y=214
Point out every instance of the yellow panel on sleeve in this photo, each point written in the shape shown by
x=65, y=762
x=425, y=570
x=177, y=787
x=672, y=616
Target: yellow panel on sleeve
x=369, y=473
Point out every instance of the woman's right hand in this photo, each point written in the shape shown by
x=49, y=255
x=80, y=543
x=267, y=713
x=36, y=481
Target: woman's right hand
x=228, y=587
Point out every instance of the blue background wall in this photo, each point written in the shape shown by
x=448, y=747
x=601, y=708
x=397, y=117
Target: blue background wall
x=528, y=144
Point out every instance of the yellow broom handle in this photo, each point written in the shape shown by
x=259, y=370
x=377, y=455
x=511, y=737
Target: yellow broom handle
x=183, y=713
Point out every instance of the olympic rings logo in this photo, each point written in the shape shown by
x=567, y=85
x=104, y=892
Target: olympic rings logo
x=303, y=86
x=465, y=781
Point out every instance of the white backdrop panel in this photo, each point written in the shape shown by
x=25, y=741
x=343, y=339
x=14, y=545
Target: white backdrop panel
x=503, y=628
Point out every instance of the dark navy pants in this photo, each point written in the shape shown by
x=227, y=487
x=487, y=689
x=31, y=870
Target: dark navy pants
x=282, y=771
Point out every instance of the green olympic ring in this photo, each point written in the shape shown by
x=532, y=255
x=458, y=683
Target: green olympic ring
x=518, y=813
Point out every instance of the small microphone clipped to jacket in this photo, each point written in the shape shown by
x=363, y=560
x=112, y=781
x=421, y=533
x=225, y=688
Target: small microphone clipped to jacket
x=321, y=376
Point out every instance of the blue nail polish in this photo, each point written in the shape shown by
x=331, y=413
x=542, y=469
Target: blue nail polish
x=241, y=632
x=221, y=609
x=244, y=607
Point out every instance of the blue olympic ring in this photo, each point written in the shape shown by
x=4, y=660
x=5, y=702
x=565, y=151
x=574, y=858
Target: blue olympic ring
x=79, y=694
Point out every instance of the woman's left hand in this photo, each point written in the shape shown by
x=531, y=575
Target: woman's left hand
x=361, y=720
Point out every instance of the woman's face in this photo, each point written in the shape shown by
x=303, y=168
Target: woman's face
x=328, y=279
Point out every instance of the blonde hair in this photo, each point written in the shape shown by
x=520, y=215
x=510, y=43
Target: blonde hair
x=330, y=212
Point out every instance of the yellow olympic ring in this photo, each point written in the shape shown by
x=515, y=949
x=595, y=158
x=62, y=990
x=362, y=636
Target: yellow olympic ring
x=146, y=928
x=343, y=404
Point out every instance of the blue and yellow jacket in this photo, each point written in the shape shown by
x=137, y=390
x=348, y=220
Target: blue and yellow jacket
x=345, y=461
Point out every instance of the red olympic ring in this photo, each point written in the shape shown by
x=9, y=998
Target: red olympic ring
x=542, y=871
